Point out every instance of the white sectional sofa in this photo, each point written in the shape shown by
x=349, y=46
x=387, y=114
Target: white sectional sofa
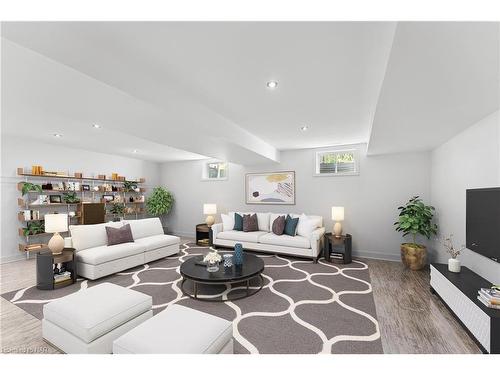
x=95, y=259
x=308, y=246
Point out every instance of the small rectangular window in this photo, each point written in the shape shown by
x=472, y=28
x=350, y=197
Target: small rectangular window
x=214, y=171
x=337, y=162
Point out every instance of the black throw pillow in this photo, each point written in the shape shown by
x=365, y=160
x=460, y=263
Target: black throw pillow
x=279, y=225
x=238, y=222
x=291, y=225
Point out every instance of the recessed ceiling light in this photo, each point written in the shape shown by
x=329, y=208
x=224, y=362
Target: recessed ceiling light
x=134, y=151
x=57, y=135
x=96, y=126
x=304, y=128
x=272, y=84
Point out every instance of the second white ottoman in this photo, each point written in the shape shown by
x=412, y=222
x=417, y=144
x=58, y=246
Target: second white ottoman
x=178, y=330
x=89, y=320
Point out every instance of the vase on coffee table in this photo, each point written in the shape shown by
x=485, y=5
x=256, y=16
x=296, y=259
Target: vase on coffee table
x=238, y=254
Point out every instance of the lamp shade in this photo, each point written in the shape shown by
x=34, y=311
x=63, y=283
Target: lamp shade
x=209, y=209
x=338, y=213
x=56, y=223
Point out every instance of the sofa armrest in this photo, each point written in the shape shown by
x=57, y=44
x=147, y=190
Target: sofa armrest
x=317, y=240
x=318, y=233
x=216, y=228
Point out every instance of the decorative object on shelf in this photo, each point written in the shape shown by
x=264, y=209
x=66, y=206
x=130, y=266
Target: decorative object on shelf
x=270, y=188
x=210, y=209
x=238, y=254
x=129, y=186
x=101, y=176
x=36, y=170
x=55, y=199
x=60, y=186
x=131, y=199
x=337, y=216
x=454, y=264
x=95, y=188
x=117, y=209
x=118, y=199
x=160, y=202
x=42, y=199
x=47, y=186
x=70, y=197
x=78, y=175
x=212, y=260
x=108, y=197
x=114, y=176
x=139, y=198
x=56, y=223
x=33, y=228
x=415, y=218
x=228, y=260
x=30, y=187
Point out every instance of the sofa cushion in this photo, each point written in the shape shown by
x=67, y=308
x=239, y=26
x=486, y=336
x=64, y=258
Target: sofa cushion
x=236, y=235
x=103, y=254
x=158, y=241
x=93, y=312
x=145, y=227
x=89, y=236
x=238, y=222
x=250, y=223
x=209, y=333
x=285, y=240
x=279, y=225
x=227, y=222
x=291, y=225
x=119, y=235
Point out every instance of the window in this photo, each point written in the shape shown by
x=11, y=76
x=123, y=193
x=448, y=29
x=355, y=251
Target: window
x=337, y=162
x=214, y=171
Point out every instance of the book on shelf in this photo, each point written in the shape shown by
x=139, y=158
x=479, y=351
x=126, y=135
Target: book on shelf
x=489, y=297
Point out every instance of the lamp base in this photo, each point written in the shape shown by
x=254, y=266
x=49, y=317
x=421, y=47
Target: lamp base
x=210, y=220
x=337, y=229
x=56, y=244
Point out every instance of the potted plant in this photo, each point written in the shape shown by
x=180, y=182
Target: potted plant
x=415, y=218
x=160, y=202
x=453, y=263
x=70, y=197
x=117, y=209
x=28, y=186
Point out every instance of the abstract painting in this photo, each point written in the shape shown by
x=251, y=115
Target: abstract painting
x=270, y=188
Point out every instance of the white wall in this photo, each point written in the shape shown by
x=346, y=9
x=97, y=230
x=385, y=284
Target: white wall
x=469, y=160
x=20, y=152
x=370, y=199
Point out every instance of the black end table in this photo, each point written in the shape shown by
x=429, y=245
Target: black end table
x=338, y=249
x=203, y=235
x=252, y=268
x=46, y=262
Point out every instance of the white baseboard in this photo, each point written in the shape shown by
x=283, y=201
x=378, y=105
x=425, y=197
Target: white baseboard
x=14, y=258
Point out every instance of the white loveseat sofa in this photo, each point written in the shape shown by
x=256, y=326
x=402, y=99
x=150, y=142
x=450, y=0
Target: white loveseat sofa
x=265, y=240
x=95, y=259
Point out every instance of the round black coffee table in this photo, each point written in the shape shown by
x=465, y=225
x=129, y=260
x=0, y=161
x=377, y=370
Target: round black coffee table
x=251, y=268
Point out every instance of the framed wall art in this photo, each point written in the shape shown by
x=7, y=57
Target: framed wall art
x=270, y=188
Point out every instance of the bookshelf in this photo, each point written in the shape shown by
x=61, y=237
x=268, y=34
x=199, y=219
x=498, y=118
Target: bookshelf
x=88, y=189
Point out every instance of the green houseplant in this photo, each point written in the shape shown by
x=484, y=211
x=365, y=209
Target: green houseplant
x=34, y=227
x=117, y=209
x=28, y=186
x=160, y=202
x=70, y=197
x=415, y=219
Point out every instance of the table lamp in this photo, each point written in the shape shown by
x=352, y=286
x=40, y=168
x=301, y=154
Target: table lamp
x=56, y=223
x=337, y=216
x=210, y=209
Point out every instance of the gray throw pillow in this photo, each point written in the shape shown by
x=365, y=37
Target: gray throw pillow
x=119, y=235
x=279, y=225
x=250, y=223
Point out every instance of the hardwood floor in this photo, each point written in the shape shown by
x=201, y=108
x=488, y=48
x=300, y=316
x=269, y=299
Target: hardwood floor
x=411, y=319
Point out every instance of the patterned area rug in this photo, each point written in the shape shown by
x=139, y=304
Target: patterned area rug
x=302, y=308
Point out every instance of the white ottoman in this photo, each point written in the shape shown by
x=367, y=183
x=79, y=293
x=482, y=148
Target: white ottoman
x=178, y=330
x=89, y=320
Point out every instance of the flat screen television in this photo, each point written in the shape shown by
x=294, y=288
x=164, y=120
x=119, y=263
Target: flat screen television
x=483, y=222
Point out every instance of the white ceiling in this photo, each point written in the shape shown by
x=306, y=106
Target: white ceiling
x=188, y=89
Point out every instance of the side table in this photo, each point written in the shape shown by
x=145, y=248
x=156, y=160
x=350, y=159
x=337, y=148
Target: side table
x=338, y=248
x=47, y=267
x=203, y=235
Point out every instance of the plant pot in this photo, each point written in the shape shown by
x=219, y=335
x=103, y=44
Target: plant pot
x=454, y=265
x=414, y=256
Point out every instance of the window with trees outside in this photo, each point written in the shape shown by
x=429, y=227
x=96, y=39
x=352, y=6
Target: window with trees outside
x=215, y=171
x=337, y=163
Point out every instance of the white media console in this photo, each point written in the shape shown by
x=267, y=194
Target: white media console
x=459, y=292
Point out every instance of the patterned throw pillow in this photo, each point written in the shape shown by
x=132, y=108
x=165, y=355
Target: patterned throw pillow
x=291, y=225
x=238, y=222
x=250, y=223
x=279, y=225
x=119, y=235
